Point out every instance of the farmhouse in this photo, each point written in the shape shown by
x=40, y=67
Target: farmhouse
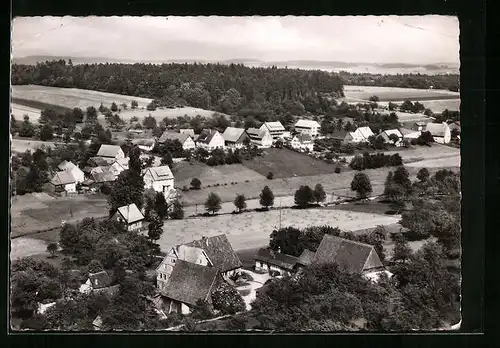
x=64, y=181
x=269, y=260
x=307, y=127
x=409, y=134
x=131, y=216
x=210, y=139
x=260, y=138
x=342, y=137
x=145, y=144
x=440, y=132
x=77, y=173
x=119, y=166
x=99, y=282
x=235, y=137
x=361, y=135
x=276, y=129
x=185, y=139
x=386, y=135
x=455, y=126
x=159, y=179
x=302, y=142
x=110, y=151
x=100, y=161
x=418, y=126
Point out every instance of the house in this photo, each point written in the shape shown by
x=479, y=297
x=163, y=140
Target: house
x=214, y=252
x=305, y=259
x=131, y=216
x=100, y=170
x=145, y=144
x=386, y=135
x=210, y=139
x=119, y=166
x=308, y=127
x=64, y=181
x=235, y=137
x=188, y=284
x=342, y=137
x=276, y=129
x=302, y=141
x=159, y=179
x=260, y=138
x=361, y=135
x=96, y=281
x=269, y=260
x=188, y=131
x=110, y=151
x=77, y=173
x=103, y=177
x=185, y=139
x=455, y=127
x=100, y=161
x=418, y=126
x=409, y=134
x=440, y=132
x=351, y=256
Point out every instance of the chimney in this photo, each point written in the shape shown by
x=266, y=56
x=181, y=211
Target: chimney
x=279, y=250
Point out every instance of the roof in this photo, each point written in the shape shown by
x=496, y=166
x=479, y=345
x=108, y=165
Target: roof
x=161, y=173
x=143, y=142
x=187, y=131
x=122, y=162
x=131, y=213
x=278, y=259
x=388, y=132
x=190, y=282
x=174, y=136
x=306, y=257
x=63, y=178
x=274, y=126
x=349, y=255
x=188, y=253
x=436, y=129
x=206, y=136
x=232, y=134
x=65, y=165
x=109, y=290
x=256, y=133
x=100, y=280
x=219, y=251
x=101, y=161
x=108, y=150
x=420, y=123
x=307, y=124
x=103, y=177
x=366, y=132
x=340, y=135
x=406, y=131
x=303, y=138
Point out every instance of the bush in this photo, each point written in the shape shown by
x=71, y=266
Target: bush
x=196, y=184
x=227, y=299
x=270, y=175
x=337, y=170
x=373, y=161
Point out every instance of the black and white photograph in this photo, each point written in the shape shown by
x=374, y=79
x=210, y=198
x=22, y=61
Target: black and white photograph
x=235, y=174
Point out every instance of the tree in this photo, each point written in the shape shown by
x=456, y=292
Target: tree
x=195, y=184
x=128, y=188
x=91, y=114
x=213, y=203
x=240, y=202
x=95, y=266
x=425, y=138
x=78, y=115
x=167, y=159
x=160, y=206
x=177, y=211
x=52, y=249
x=304, y=196
x=149, y=122
x=266, y=197
x=423, y=175
x=401, y=177
x=46, y=132
x=134, y=104
x=402, y=250
x=69, y=237
x=361, y=185
x=151, y=106
x=374, y=98
x=270, y=175
x=319, y=194
x=155, y=227
x=114, y=107
x=26, y=130
x=394, y=138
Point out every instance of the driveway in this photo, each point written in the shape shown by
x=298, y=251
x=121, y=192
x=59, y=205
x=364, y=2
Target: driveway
x=252, y=285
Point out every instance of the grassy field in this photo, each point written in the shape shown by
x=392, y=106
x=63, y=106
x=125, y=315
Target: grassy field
x=396, y=93
x=436, y=105
x=161, y=113
x=19, y=110
x=22, y=145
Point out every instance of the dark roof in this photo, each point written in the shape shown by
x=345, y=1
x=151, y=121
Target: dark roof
x=302, y=137
x=100, y=280
x=232, y=134
x=278, y=259
x=103, y=177
x=349, y=255
x=219, y=251
x=100, y=161
x=62, y=178
x=206, y=136
x=190, y=282
x=173, y=136
x=340, y=135
x=306, y=257
x=110, y=290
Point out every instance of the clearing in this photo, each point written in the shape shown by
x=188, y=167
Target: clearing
x=19, y=111
x=160, y=113
x=397, y=93
x=22, y=145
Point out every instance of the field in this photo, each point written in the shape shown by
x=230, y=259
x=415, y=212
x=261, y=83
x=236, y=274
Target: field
x=435, y=105
x=19, y=110
x=160, y=113
x=22, y=145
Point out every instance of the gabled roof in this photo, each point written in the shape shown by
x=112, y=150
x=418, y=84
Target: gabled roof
x=350, y=255
x=190, y=282
x=108, y=150
x=339, y=135
x=219, y=251
x=111, y=291
x=366, y=132
x=232, y=134
x=303, y=138
x=306, y=257
x=206, y=136
x=101, y=161
x=396, y=132
x=122, y=162
x=63, y=178
x=274, y=126
x=436, y=129
x=103, y=177
x=100, y=280
x=131, y=213
x=187, y=131
x=160, y=173
x=278, y=259
x=256, y=133
x=188, y=253
x=307, y=124
x=65, y=165
x=406, y=131
x=169, y=135
x=143, y=142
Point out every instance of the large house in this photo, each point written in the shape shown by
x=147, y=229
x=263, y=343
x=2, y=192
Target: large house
x=308, y=127
x=260, y=138
x=343, y=137
x=185, y=139
x=386, y=135
x=269, y=260
x=119, y=166
x=302, y=142
x=187, y=131
x=159, y=179
x=235, y=137
x=76, y=172
x=361, y=135
x=210, y=139
x=110, y=151
x=131, y=216
x=276, y=129
x=63, y=181
x=440, y=132
x=214, y=252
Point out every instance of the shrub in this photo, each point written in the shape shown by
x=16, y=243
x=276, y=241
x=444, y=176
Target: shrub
x=337, y=170
x=270, y=175
x=196, y=184
x=227, y=299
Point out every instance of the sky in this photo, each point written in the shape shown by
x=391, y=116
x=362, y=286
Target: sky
x=370, y=39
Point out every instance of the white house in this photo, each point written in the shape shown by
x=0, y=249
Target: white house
x=361, y=135
x=440, y=132
x=235, y=137
x=159, y=179
x=210, y=139
x=99, y=282
x=76, y=172
x=261, y=138
x=268, y=260
x=409, y=134
x=119, y=166
x=386, y=135
x=110, y=151
x=308, y=127
x=64, y=181
x=185, y=139
x=276, y=129
x=145, y=144
x=302, y=141
x=131, y=216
